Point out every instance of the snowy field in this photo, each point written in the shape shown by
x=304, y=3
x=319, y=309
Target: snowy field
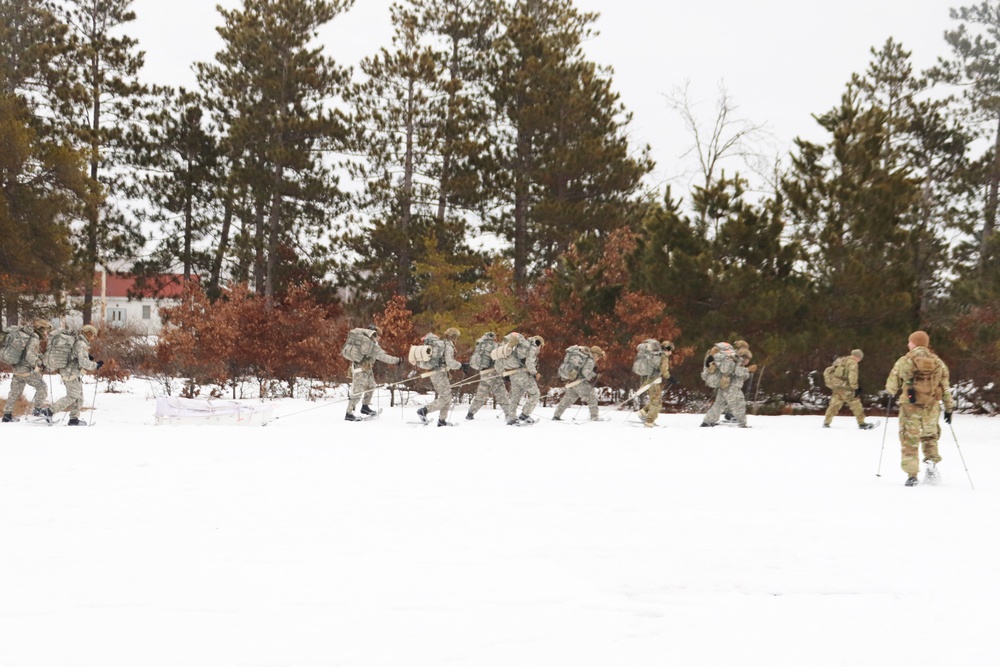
x=317, y=542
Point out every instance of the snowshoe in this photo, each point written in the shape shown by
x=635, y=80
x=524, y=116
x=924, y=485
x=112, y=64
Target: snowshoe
x=365, y=410
x=351, y=417
x=74, y=421
x=422, y=413
x=911, y=481
x=527, y=419
x=9, y=418
x=864, y=426
x=931, y=474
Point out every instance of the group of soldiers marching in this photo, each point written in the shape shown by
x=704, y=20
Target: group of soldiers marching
x=920, y=378
x=22, y=350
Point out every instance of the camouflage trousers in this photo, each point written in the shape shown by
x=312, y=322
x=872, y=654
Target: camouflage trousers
x=655, y=393
x=442, y=387
x=73, y=400
x=491, y=384
x=841, y=396
x=523, y=384
x=919, y=427
x=580, y=392
x=362, y=386
x=731, y=400
x=21, y=378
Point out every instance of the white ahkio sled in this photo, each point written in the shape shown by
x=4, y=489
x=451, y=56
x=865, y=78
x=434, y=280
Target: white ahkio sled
x=176, y=411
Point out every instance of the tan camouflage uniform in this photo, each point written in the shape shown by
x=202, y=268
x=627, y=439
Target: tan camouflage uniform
x=845, y=393
x=582, y=389
x=79, y=361
x=363, y=376
x=918, y=423
x=655, y=391
x=730, y=398
x=27, y=373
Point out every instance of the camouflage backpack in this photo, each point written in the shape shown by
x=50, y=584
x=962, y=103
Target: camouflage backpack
x=15, y=342
x=718, y=373
x=648, y=355
x=572, y=363
x=835, y=376
x=59, y=349
x=430, y=355
x=513, y=352
x=358, y=346
x=928, y=373
x=480, y=358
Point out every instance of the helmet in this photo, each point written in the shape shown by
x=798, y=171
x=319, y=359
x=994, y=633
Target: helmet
x=741, y=344
x=41, y=325
x=89, y=330
x=597, y=352
x=452, y=333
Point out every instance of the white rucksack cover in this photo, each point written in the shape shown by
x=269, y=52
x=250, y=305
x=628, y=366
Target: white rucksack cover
x=430, y=355
x=648, y=356
x=480, y=358
x=359, y=345
x=15, y=342
x=59, y=349
x=513, y=352
x=720, y=371
x=576, y=356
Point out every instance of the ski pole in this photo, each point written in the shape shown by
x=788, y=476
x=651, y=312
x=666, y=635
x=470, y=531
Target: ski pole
x=760, y=376
x=952, y=429
x=93, y=404
x=888, y=408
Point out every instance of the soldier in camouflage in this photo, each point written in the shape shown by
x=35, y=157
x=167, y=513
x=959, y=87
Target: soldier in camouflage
x=729, y=397
x=582, y=389
x=491, y=385
x=921, y=380
x=363, y=376
x=79, y=361
x=442, y=381
x=524, y=380
x=652, y=409
x=28, y=372
x=842, y=379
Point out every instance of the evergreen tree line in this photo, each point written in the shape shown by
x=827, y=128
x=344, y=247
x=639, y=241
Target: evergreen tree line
x=479, y=168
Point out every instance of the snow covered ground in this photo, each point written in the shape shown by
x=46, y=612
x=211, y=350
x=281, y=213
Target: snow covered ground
x=313, y=541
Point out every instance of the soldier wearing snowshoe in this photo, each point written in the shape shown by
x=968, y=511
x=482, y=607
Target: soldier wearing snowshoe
x=80, y=360
x=921, y=380
x=744, y=356
x=27, y=371
x=490, y=379
x=654, y=380
x=582, y=387
x=726, y=370
x=441, y=381
x=521, y=362
x=842, y=379
x=363, y=375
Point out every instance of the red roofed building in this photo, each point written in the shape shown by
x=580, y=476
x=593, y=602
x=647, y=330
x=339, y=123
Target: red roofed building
x=124, y=300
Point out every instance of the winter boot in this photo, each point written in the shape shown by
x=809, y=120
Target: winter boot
x=44, y=412
x=526, y=419
x=511, y=422
x=75, y=421
x=442, y=422
x=912, y=481
x=8, y=417
x=864, y=426
x=351, y=417
x=422, y=413
x=470, y=416
x=706, y=425
x=365, y=410
x=826, y=426
x=556, y=418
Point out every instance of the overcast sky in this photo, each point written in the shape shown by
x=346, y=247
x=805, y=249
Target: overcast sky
x=780, y=60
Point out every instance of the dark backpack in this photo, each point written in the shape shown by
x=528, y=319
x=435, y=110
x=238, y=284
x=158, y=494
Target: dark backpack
x=15, y=343
x=572, y=363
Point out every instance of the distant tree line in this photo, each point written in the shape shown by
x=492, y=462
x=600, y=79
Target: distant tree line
x=285, y=171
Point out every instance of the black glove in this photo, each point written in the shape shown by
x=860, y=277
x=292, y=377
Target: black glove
x=399, y=360
x=99, y=364
x=947, y=418
x=857, y=392
x=466, y=367
x=90, y=356
x=671, y=380
x=708, y=360
x=911, y=393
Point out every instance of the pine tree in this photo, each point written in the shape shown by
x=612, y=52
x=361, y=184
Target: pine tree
x=562, y=152
x=270, y=90
x=107, y=67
